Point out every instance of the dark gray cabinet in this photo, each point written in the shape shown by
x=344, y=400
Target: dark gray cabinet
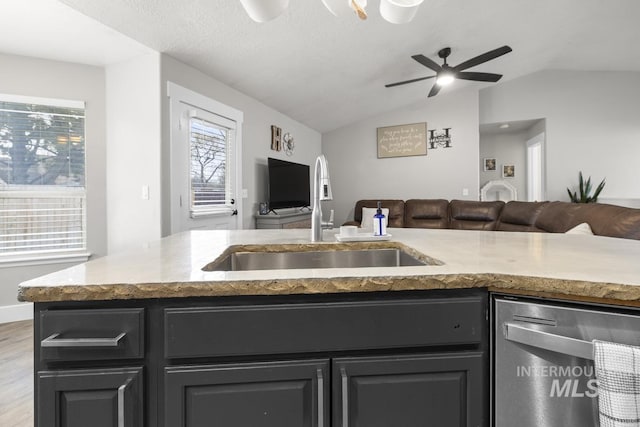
x=272, y=394
x=443, y=390
x=354, y=360
x=96, y=398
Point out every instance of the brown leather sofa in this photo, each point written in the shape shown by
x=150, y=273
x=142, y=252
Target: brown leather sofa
x=550, y=217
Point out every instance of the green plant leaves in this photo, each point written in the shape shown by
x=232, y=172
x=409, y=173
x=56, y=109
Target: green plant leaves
x=585, y=187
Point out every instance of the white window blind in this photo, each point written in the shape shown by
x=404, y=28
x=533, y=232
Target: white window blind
x=42, y=177
x=210, y=154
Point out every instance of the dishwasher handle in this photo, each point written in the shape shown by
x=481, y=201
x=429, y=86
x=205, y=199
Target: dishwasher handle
x=547, y=341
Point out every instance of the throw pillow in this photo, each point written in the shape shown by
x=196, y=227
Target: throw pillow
x=582, y=228
x=367, y=217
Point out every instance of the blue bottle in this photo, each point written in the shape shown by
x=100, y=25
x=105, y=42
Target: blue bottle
x=379, y=222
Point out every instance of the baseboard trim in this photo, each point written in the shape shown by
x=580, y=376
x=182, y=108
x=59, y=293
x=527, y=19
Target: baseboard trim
x=16, y=313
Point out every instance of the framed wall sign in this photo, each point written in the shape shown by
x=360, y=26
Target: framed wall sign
x=402, y=140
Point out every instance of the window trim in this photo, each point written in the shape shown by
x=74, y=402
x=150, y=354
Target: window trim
x=57, y=257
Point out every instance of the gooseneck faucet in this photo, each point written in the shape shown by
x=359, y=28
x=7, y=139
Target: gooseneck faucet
x=321, y=191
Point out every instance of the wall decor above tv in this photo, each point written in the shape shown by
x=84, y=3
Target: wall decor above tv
x=402, y=140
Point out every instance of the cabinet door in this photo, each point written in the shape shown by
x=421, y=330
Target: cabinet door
x=96, y=398
x=270, y=394
x=443, y=390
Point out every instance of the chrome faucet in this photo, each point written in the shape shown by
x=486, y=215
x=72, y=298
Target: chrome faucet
x=321, y=191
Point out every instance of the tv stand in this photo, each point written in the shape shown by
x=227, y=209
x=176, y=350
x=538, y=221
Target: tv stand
x=294, y=219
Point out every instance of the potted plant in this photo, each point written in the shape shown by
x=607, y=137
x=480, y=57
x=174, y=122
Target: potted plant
x=585, y=191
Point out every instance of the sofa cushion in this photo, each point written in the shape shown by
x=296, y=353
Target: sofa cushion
x=609, y=220
x=472, y=215
x=558, y=217
x=426, y=213
x=396, y=211
x=520, y=216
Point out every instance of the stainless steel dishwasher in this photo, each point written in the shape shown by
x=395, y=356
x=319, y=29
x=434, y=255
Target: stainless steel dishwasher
x=543, y=361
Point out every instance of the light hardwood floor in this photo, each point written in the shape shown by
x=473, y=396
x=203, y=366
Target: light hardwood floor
x=16, y=374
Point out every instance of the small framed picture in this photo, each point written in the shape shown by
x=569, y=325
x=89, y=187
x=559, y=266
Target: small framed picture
x=489, y=164
x=508, y=171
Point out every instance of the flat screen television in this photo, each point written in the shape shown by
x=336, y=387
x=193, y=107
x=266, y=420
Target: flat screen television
x=288, y=184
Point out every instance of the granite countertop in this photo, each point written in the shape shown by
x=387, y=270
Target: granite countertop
x=571, y=266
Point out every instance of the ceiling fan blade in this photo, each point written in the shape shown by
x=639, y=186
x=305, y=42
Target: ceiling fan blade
x=487, y=56
x=427, y=63
x=480, y=77
x=434, y=90
x=408, y=81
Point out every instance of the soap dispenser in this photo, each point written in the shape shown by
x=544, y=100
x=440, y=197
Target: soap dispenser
x=379, y=222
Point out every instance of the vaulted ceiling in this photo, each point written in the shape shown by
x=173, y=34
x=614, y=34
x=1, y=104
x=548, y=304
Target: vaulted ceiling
x=328, y=71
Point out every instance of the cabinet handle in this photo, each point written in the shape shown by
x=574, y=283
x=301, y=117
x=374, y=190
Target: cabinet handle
x=345, y=398
x=54, y=341
x=320, y=397
x=121, y=410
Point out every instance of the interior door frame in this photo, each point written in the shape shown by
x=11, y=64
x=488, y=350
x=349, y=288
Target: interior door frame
x=539, y=139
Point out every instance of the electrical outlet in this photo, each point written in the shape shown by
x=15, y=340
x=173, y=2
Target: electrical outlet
x=465, y=191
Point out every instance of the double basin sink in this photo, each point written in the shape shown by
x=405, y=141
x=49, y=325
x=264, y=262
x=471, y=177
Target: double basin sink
x=287, y=257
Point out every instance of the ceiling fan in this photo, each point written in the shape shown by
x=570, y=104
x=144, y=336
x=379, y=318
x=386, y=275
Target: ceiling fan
x=446, y=74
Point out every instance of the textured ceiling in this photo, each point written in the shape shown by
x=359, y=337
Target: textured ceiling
x=328, y=71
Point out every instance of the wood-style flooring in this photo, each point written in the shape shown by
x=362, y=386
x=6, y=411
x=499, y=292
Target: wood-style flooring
x=16, y=374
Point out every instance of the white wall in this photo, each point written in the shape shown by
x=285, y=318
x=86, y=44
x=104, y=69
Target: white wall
x=508, y=149
x=592, y=125
x=356, y=172
x=133, y=155
x=51, y=79
x=256, y=134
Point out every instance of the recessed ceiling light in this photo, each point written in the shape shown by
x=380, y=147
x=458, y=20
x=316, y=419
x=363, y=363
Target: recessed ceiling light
x=504, y=126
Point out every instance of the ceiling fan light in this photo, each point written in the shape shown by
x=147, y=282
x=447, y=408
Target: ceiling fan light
x=399, y=11
x=445, y=79
x=264, y=10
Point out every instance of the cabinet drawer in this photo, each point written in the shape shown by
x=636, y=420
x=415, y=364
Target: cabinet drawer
x=322, y=327
x=91, y=334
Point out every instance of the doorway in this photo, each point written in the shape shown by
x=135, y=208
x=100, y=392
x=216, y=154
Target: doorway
x=535, y=169
x=206, y=141
x=512, y=154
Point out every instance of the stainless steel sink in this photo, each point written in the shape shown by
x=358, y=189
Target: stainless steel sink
x=240, y=261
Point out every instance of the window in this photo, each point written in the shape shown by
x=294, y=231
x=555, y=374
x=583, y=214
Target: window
x=210, y=150
x=42, y=177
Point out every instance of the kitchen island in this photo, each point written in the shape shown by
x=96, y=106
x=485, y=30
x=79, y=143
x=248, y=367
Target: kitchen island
x=149, y=338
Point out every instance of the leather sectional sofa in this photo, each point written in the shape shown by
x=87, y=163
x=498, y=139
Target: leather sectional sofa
x=551, y=217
